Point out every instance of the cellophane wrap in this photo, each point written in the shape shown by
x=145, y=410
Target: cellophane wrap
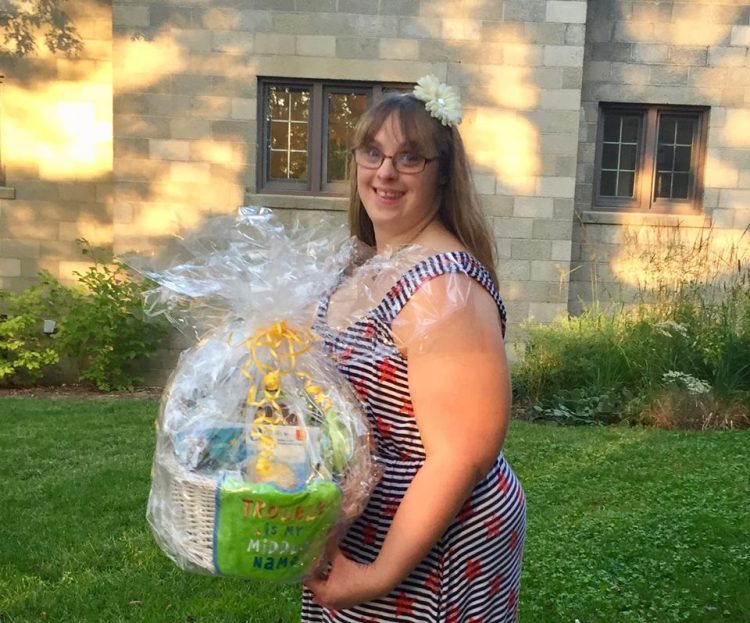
x=263, y=454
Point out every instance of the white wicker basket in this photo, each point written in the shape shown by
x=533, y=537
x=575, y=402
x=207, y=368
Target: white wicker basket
x=192, y=500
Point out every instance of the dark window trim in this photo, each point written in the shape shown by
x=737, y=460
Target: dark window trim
x=6, y=192
x=2, y=168
x=645, y=173
x=317, y=154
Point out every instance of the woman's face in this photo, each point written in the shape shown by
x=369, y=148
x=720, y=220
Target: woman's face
x=399, y=205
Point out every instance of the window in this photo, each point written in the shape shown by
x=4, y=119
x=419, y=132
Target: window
x=305, y=129
x=650, y=158
x=6, y=192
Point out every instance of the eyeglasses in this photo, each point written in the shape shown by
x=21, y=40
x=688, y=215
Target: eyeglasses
x=404, y=161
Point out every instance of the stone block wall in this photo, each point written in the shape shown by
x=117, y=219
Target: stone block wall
x=56, y=153
x=185, y=108
x=666, y=52
x=154, y=127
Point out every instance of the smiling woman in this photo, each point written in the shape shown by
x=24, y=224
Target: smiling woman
x=418, y=331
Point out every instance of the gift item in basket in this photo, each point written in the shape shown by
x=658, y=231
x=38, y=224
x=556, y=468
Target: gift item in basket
x=263, y=453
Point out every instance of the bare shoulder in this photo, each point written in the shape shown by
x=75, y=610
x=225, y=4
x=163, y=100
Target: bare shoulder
x=452, y=307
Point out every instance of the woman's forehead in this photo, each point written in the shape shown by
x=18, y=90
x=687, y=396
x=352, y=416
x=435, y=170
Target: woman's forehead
x=390, y=130
x=395, y=130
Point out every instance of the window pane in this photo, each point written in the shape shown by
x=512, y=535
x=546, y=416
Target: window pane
x=666, y=129
x=278, y=103
x=298, y=136
x=300, y=105
x=628, y=157
x=620, y=152
x=682, y=158
x=344, y=109
x=631, y=129
x=612, y=127
x=680, y=185
x=665, y=158
x=674, y=156
x=608, y=184
x=663, y=186
x=625, y=184
x=279, y=135
x=287, y=112
x=279, y=165
x=685, y=131
x=610, y=155
x=298, y=165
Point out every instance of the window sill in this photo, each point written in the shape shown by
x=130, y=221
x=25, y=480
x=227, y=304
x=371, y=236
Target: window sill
x=298, y=202
x=7, y=192
x=596, y=217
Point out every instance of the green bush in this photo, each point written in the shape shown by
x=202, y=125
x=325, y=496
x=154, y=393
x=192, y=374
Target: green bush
x=106, y=329
x=25, y=350
x=603, y=367
x=100, y=326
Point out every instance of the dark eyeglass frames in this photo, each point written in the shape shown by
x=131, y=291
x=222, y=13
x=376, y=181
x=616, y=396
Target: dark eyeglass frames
x=404, y=161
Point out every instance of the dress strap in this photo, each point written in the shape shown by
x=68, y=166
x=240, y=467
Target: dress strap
x=429, y=268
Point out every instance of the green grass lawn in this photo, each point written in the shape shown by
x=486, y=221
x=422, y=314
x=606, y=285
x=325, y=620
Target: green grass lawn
x=625, y=525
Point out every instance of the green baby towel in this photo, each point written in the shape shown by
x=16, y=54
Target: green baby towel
x=267, y=533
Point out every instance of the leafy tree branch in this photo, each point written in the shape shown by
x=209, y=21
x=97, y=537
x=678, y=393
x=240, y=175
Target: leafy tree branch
x=23, y=22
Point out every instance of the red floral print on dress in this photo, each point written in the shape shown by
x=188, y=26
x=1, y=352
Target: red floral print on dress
x=473, y=569
x=391, y=506
x=433, y=581
x=360, y=386
x=494, y=526
x=496, y=584
x=466, y=512
x=407, y=408
x=383, y=427
x=514, y=540
x=387, y=371
x=404, y=604
x=502, y=483
x=369, y=534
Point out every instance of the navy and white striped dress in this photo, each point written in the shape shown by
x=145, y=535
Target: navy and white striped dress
x=472, y=575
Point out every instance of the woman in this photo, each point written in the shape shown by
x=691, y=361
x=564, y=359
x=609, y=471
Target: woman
x=418, y=331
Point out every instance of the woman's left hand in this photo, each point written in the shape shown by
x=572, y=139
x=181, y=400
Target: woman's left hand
x=347, y=584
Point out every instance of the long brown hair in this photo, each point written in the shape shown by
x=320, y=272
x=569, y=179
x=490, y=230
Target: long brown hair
x=460, y=211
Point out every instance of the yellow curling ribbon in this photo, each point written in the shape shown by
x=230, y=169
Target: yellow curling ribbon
x=280, y=345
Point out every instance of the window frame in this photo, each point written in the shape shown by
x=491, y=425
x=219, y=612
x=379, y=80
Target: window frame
x=6, y=192
x=643, y=200
x=317, y=148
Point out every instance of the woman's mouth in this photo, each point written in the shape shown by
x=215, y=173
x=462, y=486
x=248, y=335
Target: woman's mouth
x=388, y=195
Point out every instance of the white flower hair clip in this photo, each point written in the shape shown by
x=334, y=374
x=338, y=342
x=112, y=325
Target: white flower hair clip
x=441, y=101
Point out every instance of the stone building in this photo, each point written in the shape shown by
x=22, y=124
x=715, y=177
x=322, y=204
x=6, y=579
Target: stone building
x=596, y=129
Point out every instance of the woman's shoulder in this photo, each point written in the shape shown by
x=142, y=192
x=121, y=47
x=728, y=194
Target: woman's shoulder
x=453, y=299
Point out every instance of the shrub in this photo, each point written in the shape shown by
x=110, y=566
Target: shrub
x=25, y=350
x=100, y=327
x=106, y=329
x=687, y=330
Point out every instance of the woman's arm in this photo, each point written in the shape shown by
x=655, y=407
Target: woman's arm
x=460, y=389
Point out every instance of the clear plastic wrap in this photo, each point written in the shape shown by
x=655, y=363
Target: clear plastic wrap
x=263, y=454
x=434, y=305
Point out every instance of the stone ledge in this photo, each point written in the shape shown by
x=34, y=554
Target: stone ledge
x=638, y=218
x=7, y=192
x=298, y=202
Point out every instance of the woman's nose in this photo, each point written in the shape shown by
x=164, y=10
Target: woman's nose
x=386, y=169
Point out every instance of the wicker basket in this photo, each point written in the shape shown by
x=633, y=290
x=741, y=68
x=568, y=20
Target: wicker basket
x=192, y=499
